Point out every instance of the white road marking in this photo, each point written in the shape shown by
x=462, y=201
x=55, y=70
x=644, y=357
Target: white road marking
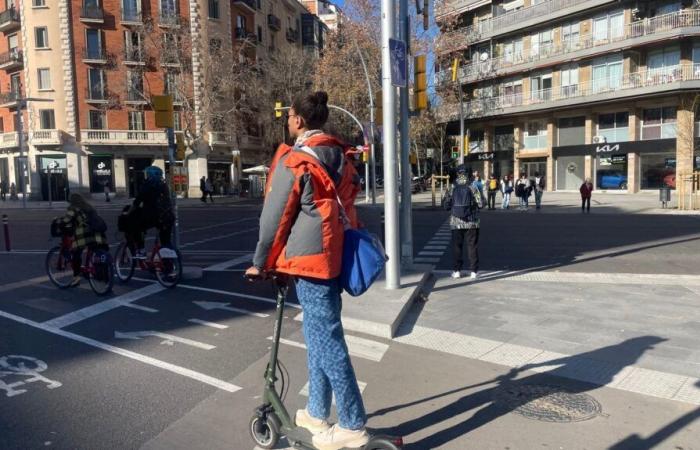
x=225, y=306
x=24, y=283
x=216, y=225
x=197, y=376
x=426, y=260
x=209, y=324
x=236, y=294
x=247, y=258
x=102, y=307
x=169, y=338
x=305, y=390
x=216, y=238
x=429, y=253
x=360, y=347
x=140, y=308
x=435, y=247
x=15, y=366
x=24, y=252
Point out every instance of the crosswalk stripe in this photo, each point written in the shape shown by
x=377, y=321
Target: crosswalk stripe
x=360, y=347
x=426, y=260
x=424, y=253
x=305, y=390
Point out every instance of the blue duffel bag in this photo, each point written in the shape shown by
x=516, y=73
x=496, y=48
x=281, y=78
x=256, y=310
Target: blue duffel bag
x=363, y=261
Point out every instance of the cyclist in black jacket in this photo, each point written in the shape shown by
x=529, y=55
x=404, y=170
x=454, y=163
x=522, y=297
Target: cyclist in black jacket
x=151, y=208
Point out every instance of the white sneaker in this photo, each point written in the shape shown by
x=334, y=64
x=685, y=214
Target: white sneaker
x=456, y=274
x=167, y=253
x=140, y=254
x=337, y=437
x=473, y=276
x=315, y=426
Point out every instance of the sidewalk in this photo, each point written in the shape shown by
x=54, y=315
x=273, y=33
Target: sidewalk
x=120, y=202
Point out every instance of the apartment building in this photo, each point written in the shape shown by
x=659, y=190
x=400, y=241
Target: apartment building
x=575, y=88
x=90, y=68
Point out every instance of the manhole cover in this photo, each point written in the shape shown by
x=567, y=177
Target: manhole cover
x=547, y=403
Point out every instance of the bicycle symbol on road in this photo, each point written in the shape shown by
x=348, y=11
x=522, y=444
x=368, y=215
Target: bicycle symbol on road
x=13, y=367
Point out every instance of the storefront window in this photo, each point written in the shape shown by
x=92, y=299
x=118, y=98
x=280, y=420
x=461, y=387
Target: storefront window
x=611, y=172
x=572, y=131
x=101, y=172
x=659, y=123
x=570, y=172
x=658, y=170
x=614, y=127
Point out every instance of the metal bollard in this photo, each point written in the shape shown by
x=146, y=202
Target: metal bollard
x=6, y=230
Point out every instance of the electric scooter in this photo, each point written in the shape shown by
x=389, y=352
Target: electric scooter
x=270, y=421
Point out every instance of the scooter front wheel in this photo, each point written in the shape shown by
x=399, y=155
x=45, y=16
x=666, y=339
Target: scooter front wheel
x=264, y=431
x=384, y=443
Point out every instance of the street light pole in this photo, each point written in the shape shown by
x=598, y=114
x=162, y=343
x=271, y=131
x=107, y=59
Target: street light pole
x=406, y=175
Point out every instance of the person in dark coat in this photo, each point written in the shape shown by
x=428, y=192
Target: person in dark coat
x=203, y=188
x=586, y=191
x=152, y=208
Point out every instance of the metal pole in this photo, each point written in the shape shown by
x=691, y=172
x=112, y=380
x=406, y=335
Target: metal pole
x=173, y=197
x=22, y=163
x=49, y=177
x=406, y=174
x=461, y=125
x=391, y=211
x=371, y=132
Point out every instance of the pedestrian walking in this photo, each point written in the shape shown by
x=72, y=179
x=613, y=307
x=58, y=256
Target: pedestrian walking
x=539, y=189
x=586, y=191
x=208, y=190
x=463, y=200
x=13, y=192
x=3, y=190
x=476, y=181
x=203, y=188
x=106, y=191
x=523, y=191
x=506, y=191
x=493, y=189
x=302, y=236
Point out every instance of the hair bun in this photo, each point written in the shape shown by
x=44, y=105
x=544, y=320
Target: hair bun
x=321, y=97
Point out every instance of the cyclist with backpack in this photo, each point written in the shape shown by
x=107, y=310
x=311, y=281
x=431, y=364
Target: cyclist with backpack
x=464, y=201
x=86, y=226
x=151, y=208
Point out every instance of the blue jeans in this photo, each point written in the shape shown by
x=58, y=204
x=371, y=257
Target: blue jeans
x=506, y=201
x=330, y=369
x=538, y=198
x=523, y=201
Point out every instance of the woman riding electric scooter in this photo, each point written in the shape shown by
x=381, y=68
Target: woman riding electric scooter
x=301, y=234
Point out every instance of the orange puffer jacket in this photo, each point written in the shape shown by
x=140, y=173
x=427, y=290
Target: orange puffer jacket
x=301, y=229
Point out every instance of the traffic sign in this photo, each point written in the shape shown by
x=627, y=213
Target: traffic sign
x=399, y=67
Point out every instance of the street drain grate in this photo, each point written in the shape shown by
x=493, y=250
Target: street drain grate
x=547, y=403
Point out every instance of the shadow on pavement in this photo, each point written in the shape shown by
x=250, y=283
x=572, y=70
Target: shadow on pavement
x=627, y=353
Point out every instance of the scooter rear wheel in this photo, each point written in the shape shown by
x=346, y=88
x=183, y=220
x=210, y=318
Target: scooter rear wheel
x=264, y=431
x=382, y=443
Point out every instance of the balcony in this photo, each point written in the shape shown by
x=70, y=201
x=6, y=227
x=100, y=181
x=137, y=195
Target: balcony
x=132, y=16
x=170, y=58
x=643, y=83
x=135, y=97
x=274, y=22
x=241, y=34
x=9, y=140
x=94, y=56
x=169, y=19
x=512, y=21
x=220, y=138
x=9, y=20
x=9, y=99
x=134, y=57
x=248, y=141
x=246, y=4
x=292, y=35
x=123, y=137
x=11, y=60
x=536, y=141
x=96, y=94
x=447, y=8
x=92, y=14
x=637, y=33
x=45, y=137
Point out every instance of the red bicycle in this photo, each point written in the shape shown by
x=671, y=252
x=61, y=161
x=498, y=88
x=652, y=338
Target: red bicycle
x=96, y=267
x=164, y=262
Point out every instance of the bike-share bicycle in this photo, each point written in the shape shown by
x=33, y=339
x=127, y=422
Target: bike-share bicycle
x=163, y=262
x=96, y=266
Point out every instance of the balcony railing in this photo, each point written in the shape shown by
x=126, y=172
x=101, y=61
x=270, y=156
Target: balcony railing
x=96, y=94
x=135, y=95
x=9, y=20
x=248, y=4
x=123, y=137
x=8, y=99
x=493, y=67
x=92, y=13
x=96, y=55
x=11, y=60
x=169, y=19
x=485, y=29
x=274, y=22
x=248, y=140
x=620, y=134
x=292, y=35
x=242, y=34
x=134, y=56
x=45, y=137
x=9, y=140
x=536, y=141
x=449, y=7
x=220, y=138
x=132, y=15
x=649, y=78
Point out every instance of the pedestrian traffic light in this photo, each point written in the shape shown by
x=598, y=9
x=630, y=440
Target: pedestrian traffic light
x=180, y=149
x=163, y=107
x=379, y=111
x=420, y=82
x=278, y=110
x=455, y=152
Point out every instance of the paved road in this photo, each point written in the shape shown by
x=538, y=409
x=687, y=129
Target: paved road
x=154, y=368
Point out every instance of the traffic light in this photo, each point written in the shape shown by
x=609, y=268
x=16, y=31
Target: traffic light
x=455, y=152
x=278, y=110
x=163, y=106
x=455, y=66
x=426, y=14
x=180, y=149
x=379, y=111
x=413, y=158
x=420, y=82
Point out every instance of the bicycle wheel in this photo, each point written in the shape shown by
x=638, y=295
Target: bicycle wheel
x=58, y=268
x=168, y=268
x=124, y=263
x=101, y=274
